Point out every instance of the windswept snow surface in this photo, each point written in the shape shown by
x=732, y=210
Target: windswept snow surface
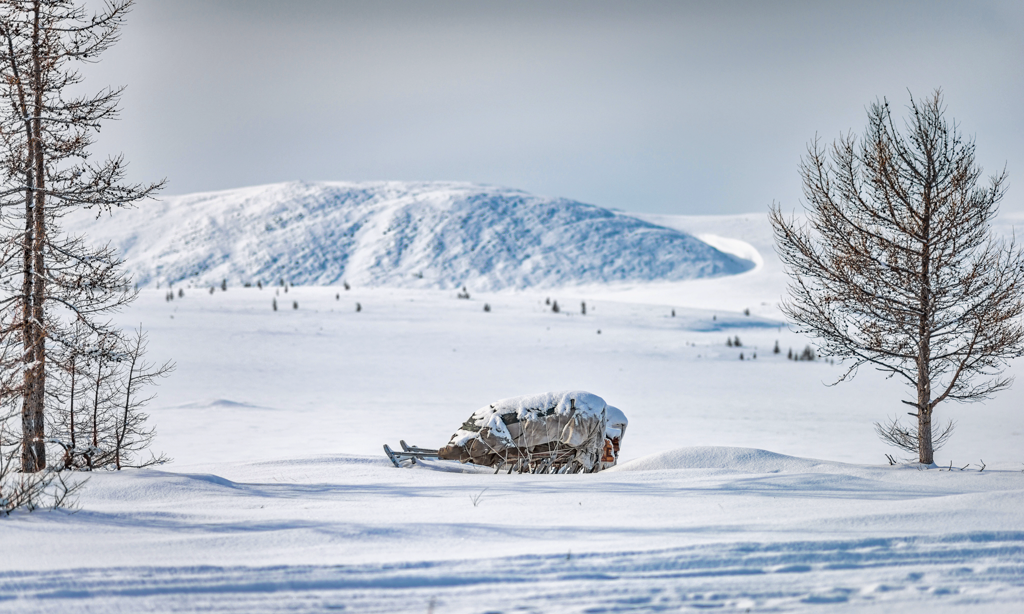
x=281, y=500
x=398, y=234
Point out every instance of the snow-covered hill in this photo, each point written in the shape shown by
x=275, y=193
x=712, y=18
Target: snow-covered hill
x=399, y=234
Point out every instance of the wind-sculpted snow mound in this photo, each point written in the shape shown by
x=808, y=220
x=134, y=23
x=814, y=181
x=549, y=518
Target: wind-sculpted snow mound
x=746, y=460
x=426, y=234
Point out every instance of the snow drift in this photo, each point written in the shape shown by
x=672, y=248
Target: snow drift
x=398, y=234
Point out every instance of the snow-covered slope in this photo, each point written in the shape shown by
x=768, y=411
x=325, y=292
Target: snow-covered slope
x=281, y=500
x=427, y=234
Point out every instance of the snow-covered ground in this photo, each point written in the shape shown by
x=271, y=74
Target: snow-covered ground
x=745, y=485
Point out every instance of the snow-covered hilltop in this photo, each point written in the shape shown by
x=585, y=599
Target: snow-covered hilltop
x=400, y=234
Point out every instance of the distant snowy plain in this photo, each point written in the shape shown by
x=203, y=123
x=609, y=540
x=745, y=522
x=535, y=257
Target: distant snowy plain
x=745, y=485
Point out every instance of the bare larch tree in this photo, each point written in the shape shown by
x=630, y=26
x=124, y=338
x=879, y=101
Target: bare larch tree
x=49, y=280
x=895, y=265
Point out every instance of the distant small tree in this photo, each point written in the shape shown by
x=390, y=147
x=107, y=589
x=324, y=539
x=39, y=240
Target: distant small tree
x=273, y=304
x=295, y=304
x=737, y=342
x=728, y=341
x=554, y=306
x=776, y=349
x=487, y=307
x=896, y=267
x=358, y=307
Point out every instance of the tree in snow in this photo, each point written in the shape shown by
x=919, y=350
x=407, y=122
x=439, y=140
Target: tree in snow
x=895, y=266
x=98, y=421
x=51, y=282
x=131, y=432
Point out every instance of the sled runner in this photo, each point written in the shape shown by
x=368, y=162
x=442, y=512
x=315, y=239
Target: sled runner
x=408, y=453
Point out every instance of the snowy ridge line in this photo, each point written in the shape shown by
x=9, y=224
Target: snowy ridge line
x=397, y=234
x=975, y=568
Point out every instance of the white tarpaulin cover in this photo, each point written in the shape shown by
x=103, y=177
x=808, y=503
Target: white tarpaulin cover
x=564, y=429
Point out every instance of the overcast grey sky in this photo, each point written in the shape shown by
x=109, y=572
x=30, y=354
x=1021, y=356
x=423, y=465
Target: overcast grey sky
x=674, y=107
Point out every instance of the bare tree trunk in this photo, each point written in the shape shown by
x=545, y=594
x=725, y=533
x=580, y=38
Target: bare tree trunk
x=39, y=240
x=31, y=459
x=127, y=407
x=71, y=413
x=28, y=459
x=32, y=446
x=95, y=413
x=924, y=383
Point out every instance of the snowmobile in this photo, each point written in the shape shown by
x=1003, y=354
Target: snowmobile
x=553, y=432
